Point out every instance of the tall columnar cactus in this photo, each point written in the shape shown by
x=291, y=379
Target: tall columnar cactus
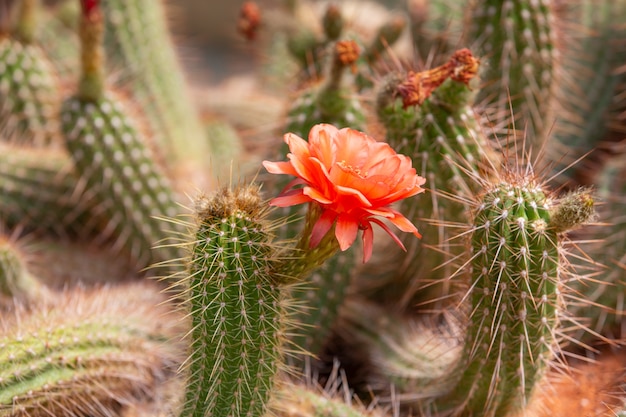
x=29, y=88
x=516, y=297
x=518, y=41
x=87, y=353
x=235, y=306
x=139, y=45
x=112, y=155
x=428, y=115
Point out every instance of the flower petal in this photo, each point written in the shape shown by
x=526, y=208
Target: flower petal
x=346, y=230
x=322, y=143
x=389, y=232
x=314, y=194
x=321, y=227
x=404, y=224
x=368, y=242
x=280, y=168
x=290, y=198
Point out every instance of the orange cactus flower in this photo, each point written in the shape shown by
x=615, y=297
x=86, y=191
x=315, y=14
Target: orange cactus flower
x=353, y=178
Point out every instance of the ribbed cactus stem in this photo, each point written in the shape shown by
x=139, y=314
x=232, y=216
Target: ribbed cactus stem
x=235, y=308
x=428, y=115
x=88, y=354
x=41, y=192
x=515, y=298
x=111, y=154
x=29, y=95
x=91, y=87
x=518, y=40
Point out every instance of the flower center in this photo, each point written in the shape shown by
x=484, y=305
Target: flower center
x=352, y=170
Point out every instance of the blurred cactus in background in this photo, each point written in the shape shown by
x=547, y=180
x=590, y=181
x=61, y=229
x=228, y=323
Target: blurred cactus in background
x=151, y=265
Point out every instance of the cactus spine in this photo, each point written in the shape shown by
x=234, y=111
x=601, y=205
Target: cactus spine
x=235, y=308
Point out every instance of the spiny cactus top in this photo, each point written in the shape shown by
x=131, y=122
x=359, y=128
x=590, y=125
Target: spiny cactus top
x=353, y=178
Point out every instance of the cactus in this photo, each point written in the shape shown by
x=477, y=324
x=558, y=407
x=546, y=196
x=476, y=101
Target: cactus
x=41, y=192
x=138, y=42
x=235, y=306
x=518, y=38
x=112, y=156
x=86, y=354
x=29, y=88
x=16, y=282
x=443, y=137
x=516, y=297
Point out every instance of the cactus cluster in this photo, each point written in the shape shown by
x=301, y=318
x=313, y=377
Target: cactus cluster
x=151, y=265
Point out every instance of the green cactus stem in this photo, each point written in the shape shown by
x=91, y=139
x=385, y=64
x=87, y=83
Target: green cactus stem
x=516, y=300
x=428, y=116
x=111, y=154
x=517, y=39
x=41, y=193
x=29, y=87
x=87, y=354
x=140, y=49
x=235, y=306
